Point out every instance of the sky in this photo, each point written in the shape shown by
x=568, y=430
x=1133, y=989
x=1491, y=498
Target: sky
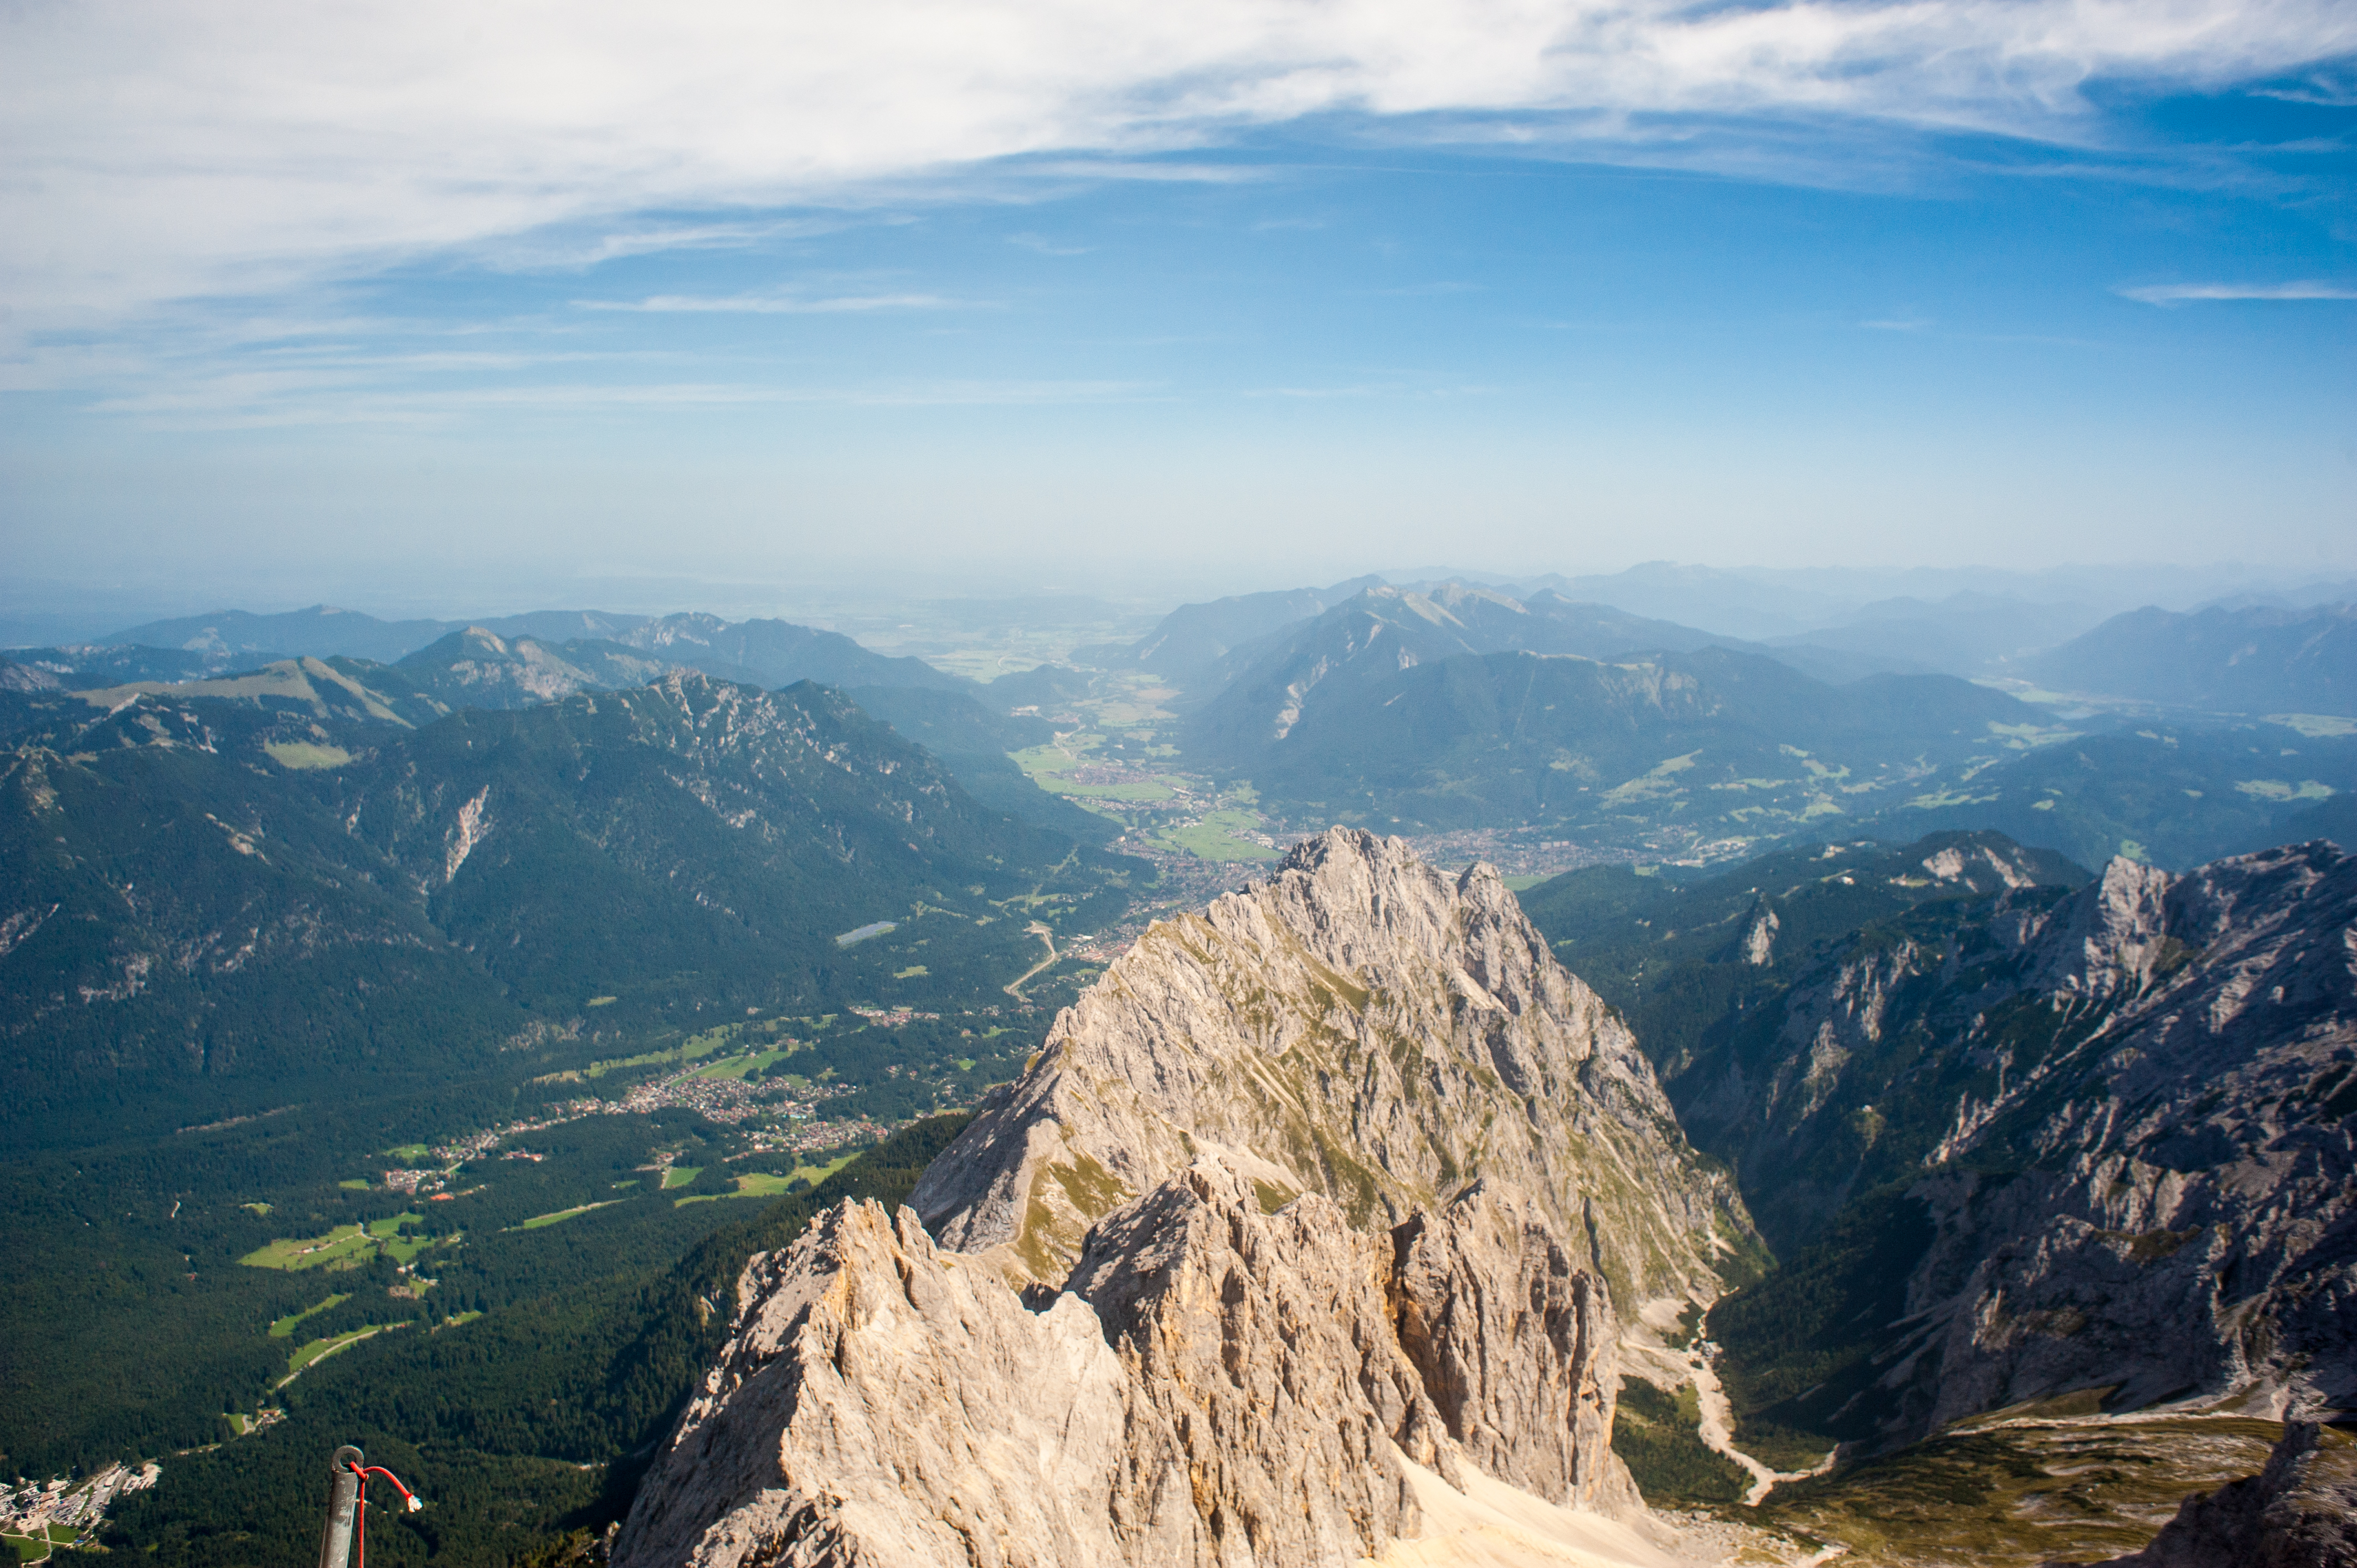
x=465, y=306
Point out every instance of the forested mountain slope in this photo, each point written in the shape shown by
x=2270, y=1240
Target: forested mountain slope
x=1265, y=687
x=1713, y=742
x=216, y=902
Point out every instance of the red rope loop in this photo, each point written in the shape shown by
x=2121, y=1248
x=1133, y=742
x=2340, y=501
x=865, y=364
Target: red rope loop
x=359, y=1516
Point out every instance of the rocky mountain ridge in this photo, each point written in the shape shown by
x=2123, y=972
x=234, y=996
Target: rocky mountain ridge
x=2184, y=1222
x=1267, y=1306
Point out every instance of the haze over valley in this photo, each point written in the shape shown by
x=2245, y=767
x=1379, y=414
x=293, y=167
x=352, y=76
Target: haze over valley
x=1253, y=786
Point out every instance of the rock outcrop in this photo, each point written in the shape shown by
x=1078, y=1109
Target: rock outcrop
x=2300, y=1512
x=1217, y=1386
x=1364, y=1025
x=1313, y=1204
x=875, y=1405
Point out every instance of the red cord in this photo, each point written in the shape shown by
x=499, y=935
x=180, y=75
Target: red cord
x=360, y=1516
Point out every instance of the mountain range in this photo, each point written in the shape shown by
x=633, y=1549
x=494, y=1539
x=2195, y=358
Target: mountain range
x=2252, y=654
x=766, y=651
x=2258, y=660
x=1325, y=1222
x=1463, y=708
x=221, y=896
x=1367, y=1212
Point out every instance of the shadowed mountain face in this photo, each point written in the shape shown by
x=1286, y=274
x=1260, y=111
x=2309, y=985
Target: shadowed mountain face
x=1747, y=990
x=2020, y=1141
x=972, y=741
x=215, y=899
x=2253, y=660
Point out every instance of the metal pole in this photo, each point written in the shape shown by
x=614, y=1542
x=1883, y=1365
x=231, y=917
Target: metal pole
x=336, y=1540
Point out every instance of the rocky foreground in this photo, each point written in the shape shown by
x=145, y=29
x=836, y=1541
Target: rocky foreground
x=1213, y=1283
x=2298, y=1512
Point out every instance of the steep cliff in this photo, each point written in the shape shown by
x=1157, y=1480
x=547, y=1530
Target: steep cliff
x=2166, y=1201
x=2125, y=1129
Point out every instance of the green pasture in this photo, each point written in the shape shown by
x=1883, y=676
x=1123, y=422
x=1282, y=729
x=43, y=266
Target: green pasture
x=283, y=1329
x=1050, y=768
x=1219, y=836
x=763, y=1183
x=343, y=1247
x=320, y=1349
x=738, y=1067
x=696, y=1047
x=302, y=755
x=537, y=1220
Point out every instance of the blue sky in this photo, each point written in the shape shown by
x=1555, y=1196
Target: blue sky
x=304, y=307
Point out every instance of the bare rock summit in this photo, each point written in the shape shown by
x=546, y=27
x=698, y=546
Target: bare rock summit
x=1318, y=1213
x=1364, y=1025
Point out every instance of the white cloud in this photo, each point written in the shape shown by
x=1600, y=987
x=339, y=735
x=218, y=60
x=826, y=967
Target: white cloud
x=160, y=150
x=2187, y=292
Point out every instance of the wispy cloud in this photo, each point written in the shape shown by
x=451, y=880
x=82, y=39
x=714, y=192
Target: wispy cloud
x=2190, y=293
x=775, y=303
x=160, y=151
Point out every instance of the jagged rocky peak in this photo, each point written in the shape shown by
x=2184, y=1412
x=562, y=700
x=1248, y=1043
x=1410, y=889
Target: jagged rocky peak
x=1298, y=1240
x=1362, y=1026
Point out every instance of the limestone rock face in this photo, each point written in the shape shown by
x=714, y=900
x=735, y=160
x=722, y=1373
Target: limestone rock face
x=2300, y=1512
x=875, y=1404
x=1515, y=1344
x=1361, y=1025
x=1260, y=1344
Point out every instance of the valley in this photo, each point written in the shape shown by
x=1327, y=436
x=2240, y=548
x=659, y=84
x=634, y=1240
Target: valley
x=463, y=1021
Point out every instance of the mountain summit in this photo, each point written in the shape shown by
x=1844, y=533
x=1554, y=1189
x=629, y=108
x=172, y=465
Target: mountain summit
x=1364, y=1025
